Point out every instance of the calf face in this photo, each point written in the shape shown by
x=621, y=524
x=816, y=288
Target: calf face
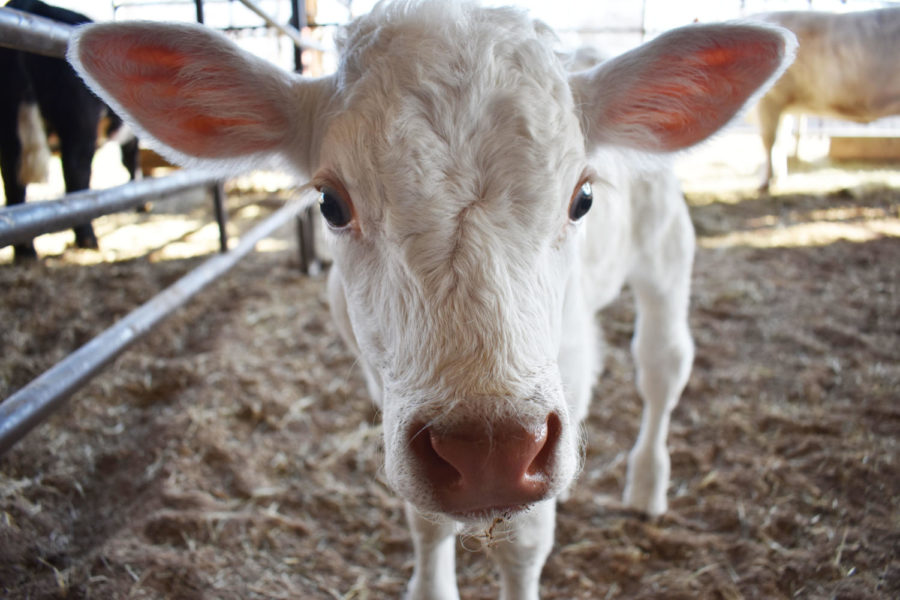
x=452, y=155
x=454, y=177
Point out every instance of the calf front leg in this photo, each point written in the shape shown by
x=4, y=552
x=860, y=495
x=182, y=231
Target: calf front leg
x=522, y=550
x=434, y=543
x=663, y=352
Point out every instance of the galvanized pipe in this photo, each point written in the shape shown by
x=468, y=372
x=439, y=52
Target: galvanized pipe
x=22, y=222
x=33, y=403
x=31, y=33
x=30, y=405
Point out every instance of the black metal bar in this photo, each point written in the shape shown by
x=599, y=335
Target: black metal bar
x=31, y=33
x=25, y=409
x=310, y=262
x=305, y=223
x=301, y=250
x=23, y=222
x=199, y=4
x=298, y=20
x=306, y=252
x=221, y=216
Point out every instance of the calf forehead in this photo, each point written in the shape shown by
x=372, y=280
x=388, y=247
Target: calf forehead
x=460, y=146
x=443, y=116
x=420, y=40
x=494, y=149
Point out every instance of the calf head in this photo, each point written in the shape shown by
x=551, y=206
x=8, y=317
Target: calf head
x=451, y=154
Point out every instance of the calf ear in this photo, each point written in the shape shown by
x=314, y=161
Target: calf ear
x=680, y=88
x=197, y=94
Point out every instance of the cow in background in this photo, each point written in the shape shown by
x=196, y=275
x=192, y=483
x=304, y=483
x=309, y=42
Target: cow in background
x=39, y=91
x=846, y=67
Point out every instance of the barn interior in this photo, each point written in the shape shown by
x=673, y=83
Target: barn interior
x=233, y=452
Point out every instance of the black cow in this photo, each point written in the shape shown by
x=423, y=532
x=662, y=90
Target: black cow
x=68, y=109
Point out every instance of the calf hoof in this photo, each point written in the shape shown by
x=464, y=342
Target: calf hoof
x=647, y=482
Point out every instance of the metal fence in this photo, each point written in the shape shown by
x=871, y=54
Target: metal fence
x=27, y=407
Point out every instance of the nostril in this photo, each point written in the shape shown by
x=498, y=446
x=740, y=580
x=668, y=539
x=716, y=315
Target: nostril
x=541, y=463
x=436, y=468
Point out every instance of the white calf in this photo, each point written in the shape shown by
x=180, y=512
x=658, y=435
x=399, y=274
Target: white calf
x=457, y=163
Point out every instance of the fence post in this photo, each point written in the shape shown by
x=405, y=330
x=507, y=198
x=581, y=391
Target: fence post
x=306, y=241
x=218, y=190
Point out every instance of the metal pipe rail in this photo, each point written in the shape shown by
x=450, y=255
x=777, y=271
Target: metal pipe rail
x=22, y=222
x=30, y=405
x=31, y=33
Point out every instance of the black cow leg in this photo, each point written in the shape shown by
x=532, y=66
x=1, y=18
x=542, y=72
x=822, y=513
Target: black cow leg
x=76, y=160
x=24, y=252
x=85, y=238
x=10, y=154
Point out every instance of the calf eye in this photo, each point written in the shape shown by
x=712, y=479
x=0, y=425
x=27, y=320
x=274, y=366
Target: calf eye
x=335, y=206
x=581, y=201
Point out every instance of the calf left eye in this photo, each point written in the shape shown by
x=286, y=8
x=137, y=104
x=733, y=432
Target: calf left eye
x=581, y=201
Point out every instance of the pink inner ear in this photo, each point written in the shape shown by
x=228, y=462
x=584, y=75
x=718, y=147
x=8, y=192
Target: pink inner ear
x=137, y=75
x=156, y=56
x=689, y=97
x=118, y=59
x=201, y=101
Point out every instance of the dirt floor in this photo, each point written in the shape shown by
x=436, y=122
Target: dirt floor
x=233, y=453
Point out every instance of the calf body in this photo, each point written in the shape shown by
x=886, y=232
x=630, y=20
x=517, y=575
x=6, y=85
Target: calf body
x=846, y=67
x=483, y=204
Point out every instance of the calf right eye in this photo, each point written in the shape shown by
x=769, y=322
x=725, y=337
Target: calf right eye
x=335, y=206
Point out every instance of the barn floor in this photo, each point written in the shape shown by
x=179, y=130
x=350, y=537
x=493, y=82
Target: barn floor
x=233, y=453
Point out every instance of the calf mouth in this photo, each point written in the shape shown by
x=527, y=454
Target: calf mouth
x=491, y=514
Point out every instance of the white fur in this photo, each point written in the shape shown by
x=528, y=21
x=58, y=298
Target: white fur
x=461, y=283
